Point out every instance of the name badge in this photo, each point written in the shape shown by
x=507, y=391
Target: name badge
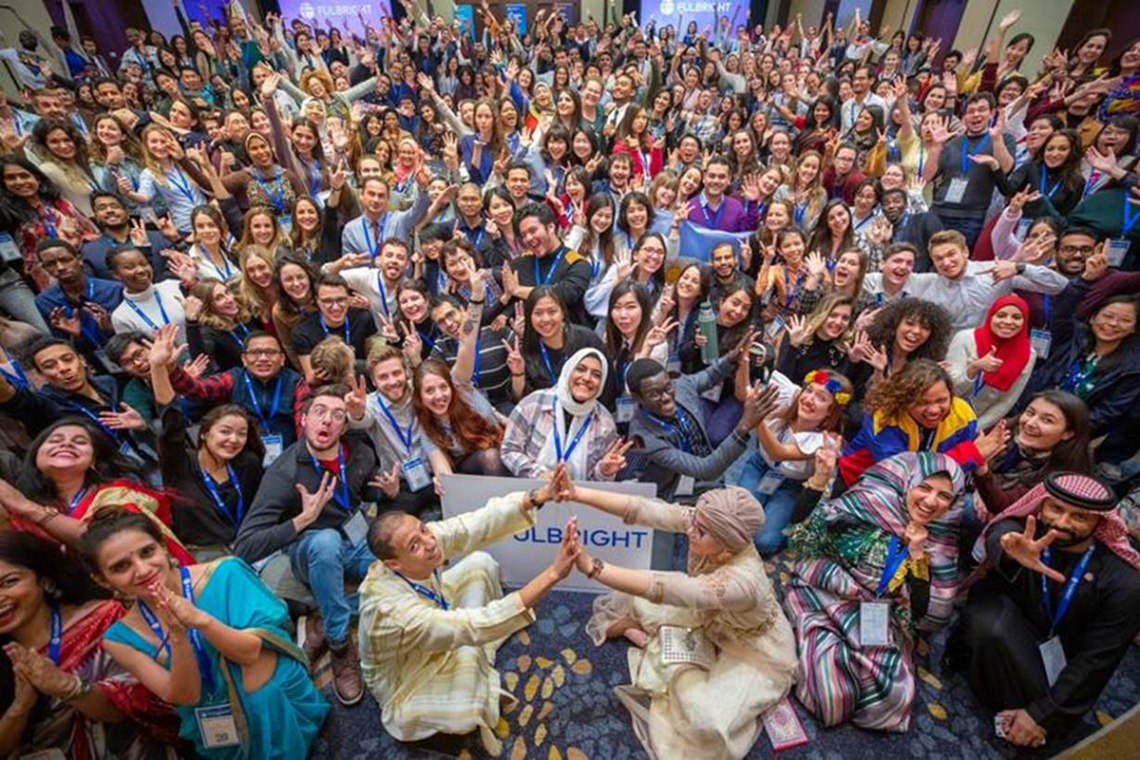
x=416, y=474
x=957, y=190
x=770, y=482
x=626, y=407
x=1053, y=658
x=356, y=529
x=217, y=727
x=774, y=327
x=9, y=252
x=685, y=486
x=1117, y=250
x=274, y=445
x=874, y=622
x=1042, y=341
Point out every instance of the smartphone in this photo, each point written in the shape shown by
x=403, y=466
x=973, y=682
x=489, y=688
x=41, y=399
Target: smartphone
x=1000, y=727
x=759, y=361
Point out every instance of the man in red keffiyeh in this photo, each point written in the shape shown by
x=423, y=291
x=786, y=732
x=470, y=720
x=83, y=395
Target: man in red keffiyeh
x=1056, y=610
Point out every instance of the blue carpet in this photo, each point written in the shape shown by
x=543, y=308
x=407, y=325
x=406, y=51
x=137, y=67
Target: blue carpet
x=567, y=708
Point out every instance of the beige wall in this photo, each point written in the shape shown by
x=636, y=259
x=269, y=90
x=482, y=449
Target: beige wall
x=811, y=10
x=898, y=13
x=1041, y=18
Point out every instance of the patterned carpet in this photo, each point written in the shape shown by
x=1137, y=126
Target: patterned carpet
x=567, y=709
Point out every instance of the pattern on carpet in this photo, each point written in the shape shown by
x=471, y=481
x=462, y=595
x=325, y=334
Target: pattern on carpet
x=567, y=709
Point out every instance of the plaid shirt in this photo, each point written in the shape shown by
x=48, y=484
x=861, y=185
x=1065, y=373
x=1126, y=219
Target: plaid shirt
x=532, y=424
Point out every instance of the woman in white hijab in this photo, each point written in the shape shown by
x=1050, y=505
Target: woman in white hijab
x=566, y=425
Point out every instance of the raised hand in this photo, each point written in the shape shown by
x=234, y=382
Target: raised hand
x=388, y=482
x=510, y=280
x=1096, y=265
x=816, y=265
x=1102, y=162
x=568, y=551
x=1025, y=195
x=659, y=333
x=197, y=367
x=881, y=230
x=994, y=442
x=1025, y=549
x=192, y=306
x=759, y=403
x=1009, y=19
x=988, y=363
x=798, y=329
x=515, y=361
x=65, y=320
x=313, y=503
x=614, y=458
x=178, y=607
x=988, y=161
x=128, y=419
x=355, y=398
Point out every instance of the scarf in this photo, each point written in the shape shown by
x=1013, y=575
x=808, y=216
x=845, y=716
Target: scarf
x=1014, y=352
x=581, y=413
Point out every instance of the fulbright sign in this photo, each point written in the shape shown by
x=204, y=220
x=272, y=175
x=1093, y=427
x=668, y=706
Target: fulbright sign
x=524, y=555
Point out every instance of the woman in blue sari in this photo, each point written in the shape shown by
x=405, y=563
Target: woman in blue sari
x=209, y=639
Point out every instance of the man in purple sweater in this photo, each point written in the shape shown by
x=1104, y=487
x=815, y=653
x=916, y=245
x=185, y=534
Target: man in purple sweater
x=715, y=210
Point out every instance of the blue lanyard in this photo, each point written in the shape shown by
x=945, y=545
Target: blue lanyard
x=1045, y=180
x=94, y=418
x=966, y=152
x=373, y=248
x=341, y=494
x=183, y=185
x=1129, y=219
x=713, y=223
x=565, y=456
x=1046, y=302
x=866, y=219
x=472, y=237
x=278, y=198
x=257, y=406
x=921, y=157
x=789, y=293
x=76, y=500
x=17, y=377
x=223, y=276
x=426, y=339
x=1069, y=591
x=142, y=314
x=546, y=361
x=538, y=280
x=895, y=556
x=383, y=293
x=1094, y=177
x=685, y=432
x=315, y=179
x=405, y=439
x=595, y=267
x=219, y=502
x=798, y=213
x=325, y=327
x=244, y=334
x=425, y=591
x=204, y=667
x=478, y=359
x=86, y=327
x=56, y=633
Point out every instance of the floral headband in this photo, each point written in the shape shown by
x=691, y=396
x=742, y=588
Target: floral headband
x=821, y=377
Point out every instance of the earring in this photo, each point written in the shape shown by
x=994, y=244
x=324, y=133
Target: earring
x=50, y=589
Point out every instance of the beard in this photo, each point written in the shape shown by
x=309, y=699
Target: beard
x=1065, y=537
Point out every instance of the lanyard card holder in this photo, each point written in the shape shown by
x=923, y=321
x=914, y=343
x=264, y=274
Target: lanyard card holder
x=274, y=445
x=874, y=623
x=686, y=646
x=416, y=474
x=217, y=726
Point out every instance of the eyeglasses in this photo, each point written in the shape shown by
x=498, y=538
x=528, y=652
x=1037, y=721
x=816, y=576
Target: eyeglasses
x=263, y=352
x=332, y=301
x=320, y=413
x=1086, y=249
x=137, y=357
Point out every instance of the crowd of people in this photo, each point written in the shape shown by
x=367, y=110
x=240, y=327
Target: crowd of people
x=265, y=283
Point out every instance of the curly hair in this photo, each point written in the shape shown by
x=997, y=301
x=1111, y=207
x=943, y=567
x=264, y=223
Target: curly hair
x=895, y=394
x=930, y=315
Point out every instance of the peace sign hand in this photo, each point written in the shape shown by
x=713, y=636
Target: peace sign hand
x=354, y=399
x=658, y=333
x=1026, y=551
x=515, y=361
x=614, y=459
x=388, y=482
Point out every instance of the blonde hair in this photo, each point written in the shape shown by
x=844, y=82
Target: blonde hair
x=203, y=290
x=334, y=359
x=249, y=292
x=247, y=235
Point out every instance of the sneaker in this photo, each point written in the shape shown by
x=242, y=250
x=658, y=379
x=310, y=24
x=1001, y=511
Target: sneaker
x=311, y=637
x=348, y=681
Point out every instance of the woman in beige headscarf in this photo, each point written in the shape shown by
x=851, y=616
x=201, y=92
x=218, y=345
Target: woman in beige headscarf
x=723, y=610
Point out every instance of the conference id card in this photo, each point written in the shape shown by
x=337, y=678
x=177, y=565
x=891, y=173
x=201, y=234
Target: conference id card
x=9, y=252
x=274, y=445
x=1042, y=342
x=217, y=726
x=626, y=407
x=356, y=529
x=1116, y=250
x=957, y=190
x=1053, y=658
x=416, y=474
x=774, y=327
x=685, y=486
x=770, y=483
x=874, y=622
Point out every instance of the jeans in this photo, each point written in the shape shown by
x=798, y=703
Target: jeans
x=323, y=559
x=778, y=506
x=17, y=299
x=970, y=227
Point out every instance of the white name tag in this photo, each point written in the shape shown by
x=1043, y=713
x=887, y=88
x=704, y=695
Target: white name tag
x=770, y=482
x=356, y=528
x=9, y=252
x=274, y=445
x=626, y=407
x=874, y=624
x=1053, y=658
x=1117, y=250
x=416, y=474
x=685, y=486
x=774, y=327
x=217, y=727
x=1042, y=341
x=957, y=190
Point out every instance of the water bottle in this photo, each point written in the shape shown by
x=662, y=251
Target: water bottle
x=706, y=323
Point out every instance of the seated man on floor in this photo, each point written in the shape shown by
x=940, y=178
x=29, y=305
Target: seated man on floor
x=428, y=638
x=1047, y=627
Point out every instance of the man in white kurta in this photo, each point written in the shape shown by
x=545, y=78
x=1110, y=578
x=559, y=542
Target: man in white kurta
x=428, y=645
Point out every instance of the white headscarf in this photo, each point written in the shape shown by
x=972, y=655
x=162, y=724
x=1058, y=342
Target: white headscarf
x=581, y=412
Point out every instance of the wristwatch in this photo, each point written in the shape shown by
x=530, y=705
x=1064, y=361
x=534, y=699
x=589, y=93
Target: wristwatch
x=1021, y=267
x=532, y=497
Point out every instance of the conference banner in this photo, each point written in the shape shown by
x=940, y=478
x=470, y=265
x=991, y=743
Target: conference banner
x=339, y=12
x=704, y=12
x=523, y=555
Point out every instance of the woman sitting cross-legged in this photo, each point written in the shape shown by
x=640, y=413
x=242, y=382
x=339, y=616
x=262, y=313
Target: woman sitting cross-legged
x=210, y=639
x=723, y=610
x=874, y=567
